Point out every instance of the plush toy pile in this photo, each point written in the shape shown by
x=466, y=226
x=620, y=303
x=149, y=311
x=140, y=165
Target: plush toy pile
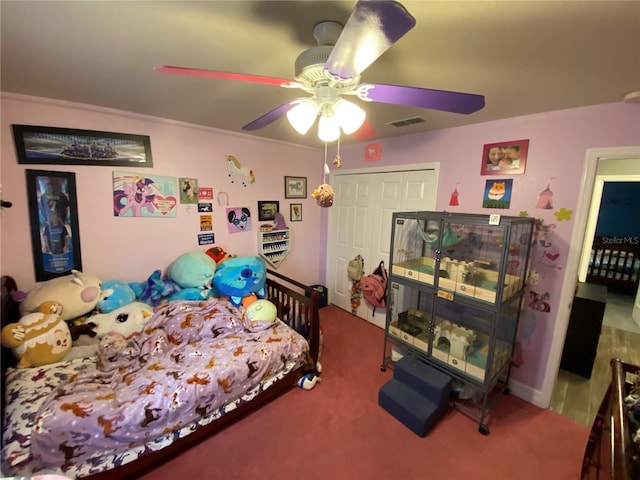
x=78, y=310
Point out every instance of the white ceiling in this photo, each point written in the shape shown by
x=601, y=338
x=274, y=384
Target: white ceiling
x=526, y=57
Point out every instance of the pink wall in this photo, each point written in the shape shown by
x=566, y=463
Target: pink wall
x=557, y=146
x=131, y=249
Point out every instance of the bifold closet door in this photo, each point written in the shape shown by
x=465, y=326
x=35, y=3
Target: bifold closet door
x=360, y=223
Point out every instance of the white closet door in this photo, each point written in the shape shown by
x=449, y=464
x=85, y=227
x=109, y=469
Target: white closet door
x=360, y=223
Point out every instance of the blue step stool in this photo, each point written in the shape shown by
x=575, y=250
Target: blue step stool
x=417, y=395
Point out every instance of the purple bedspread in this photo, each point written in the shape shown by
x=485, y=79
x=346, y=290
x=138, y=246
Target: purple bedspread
x=191, y=358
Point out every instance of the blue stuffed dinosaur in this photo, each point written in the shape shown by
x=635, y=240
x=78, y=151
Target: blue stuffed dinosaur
x=155, y=290
x=188, y=278
x=240, y=277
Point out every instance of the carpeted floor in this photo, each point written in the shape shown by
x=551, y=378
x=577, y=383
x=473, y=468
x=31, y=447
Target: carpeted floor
x=338, y=431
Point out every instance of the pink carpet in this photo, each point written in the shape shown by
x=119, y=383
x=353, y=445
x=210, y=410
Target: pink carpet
x=338, y=430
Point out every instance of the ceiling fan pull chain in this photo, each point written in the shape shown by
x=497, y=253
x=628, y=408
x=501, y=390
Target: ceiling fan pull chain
x=326, y=167
x=337, y=161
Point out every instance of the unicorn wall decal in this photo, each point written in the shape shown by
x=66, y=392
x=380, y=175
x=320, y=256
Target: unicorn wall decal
x=236, y=170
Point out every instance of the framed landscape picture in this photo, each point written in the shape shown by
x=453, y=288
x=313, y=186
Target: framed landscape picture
x=267, y=210
x=66, y=146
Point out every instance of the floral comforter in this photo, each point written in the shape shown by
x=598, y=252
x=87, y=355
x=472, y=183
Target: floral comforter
x=191, y=359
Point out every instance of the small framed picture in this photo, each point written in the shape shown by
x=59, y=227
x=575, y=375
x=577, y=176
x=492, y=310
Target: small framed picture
x=296, y=212
x=504, y=158
x=295, y=187
x=267, y=210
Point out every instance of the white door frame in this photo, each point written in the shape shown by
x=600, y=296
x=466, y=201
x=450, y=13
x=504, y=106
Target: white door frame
x=592, y=157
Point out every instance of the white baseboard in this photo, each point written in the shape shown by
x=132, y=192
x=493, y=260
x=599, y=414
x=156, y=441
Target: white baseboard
x=527, y=394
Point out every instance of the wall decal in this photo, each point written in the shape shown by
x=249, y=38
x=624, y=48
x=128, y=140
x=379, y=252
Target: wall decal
x=545, y=198
x=453, y=201
x=563, y=214
x=238, y=172
x=540, y=232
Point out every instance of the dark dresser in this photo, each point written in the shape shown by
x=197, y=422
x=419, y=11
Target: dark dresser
x=583, y=333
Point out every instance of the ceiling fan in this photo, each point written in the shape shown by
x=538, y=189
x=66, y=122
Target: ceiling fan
x=332, y=70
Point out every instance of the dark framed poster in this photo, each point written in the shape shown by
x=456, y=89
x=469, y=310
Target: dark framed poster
x=53, y=214
x=72, y=146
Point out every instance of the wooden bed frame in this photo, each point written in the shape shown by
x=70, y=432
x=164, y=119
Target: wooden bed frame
x=615, y=264
x=610, y=453
x=297, y=306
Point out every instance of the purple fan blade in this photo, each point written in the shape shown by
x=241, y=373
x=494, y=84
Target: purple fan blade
x=371, y=29
x=423, y=97
x=269, y=117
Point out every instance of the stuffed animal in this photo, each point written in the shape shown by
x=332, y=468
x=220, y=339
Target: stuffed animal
x=279, y=222
x=39, y=338
x=308, y=381
x=188, y=278
x=126, y=320
x=259, y=313
x=77, y=293
x=115, y=294
x=219, y=254
x=323, y=195
x=192, y=270
x=240, y=277
x=155, y=290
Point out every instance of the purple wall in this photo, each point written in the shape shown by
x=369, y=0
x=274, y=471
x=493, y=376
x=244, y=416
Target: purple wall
x=557, y=146
x=130, y=249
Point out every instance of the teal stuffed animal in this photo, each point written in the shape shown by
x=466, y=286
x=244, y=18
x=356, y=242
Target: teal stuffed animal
x=240, y=277
x=192, y=270
x=115, y=294
x=188, y=278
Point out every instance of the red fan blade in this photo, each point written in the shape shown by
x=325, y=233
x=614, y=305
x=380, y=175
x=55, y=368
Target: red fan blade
x=270, y=117
x=365, y=132
x=242, y=77
x=371, y=29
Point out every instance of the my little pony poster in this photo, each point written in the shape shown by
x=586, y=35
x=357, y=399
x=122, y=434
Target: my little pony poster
x=141, y=195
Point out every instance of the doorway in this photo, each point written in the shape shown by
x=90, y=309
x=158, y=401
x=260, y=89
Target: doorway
x=360, y=223
x=625, y=157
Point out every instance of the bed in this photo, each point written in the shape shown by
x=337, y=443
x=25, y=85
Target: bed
x=615, y=261
x=72, y=418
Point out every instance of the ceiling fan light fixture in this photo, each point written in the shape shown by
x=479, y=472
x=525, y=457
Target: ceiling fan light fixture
x=350, y=116
x=303, y=115
x=328, y=128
